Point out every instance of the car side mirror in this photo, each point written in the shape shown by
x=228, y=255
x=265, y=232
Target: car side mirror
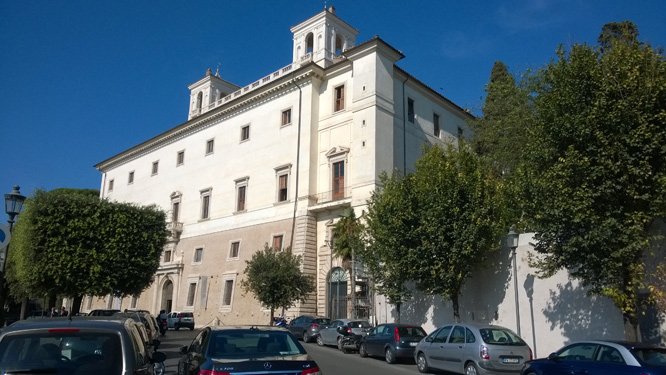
x=183, y=350
x=553, y=357
x=159, y=357
x=429, y=339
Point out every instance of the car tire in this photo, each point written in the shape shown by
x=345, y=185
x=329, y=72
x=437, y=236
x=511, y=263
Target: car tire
x=191, y=328
x=422, y=363
x=470, y=369
x=340, y=344
x=361, y=351
x=389, y=356
x=306, y=336
x=320, y=341
x=176, y=327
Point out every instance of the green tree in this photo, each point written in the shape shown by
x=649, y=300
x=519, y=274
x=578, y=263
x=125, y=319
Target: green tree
x=347, y=235
x=625, y=32
x=276, y=279
x=594, y=178
x=500, y=133
x=461, y=219
x=390, y=236
x=70, y=243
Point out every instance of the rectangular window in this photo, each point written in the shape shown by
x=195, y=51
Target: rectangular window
x=180, y=158
x=167, y=256
x=198, y=255
x=210, y=146
x=205, y=204
x=241, y=198
x=277, y=243
x=435, y=123
x=130, y=178
x=111, y=185
x=286, y=117
x=175, y=211
x=155, y=166
x=228, y=291
x=339, y=98
x=339, y=180
x=460, y=132
x=235, y=250
x=245, y=133
x=410, y=110
x=282, y=187
x=190, y=294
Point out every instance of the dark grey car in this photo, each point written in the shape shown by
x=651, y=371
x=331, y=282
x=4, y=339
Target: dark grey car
x=392, y=341
x=82, y=345
x=307, y=327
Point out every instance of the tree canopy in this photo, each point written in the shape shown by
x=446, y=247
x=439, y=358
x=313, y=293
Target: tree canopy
x=594, y=171
x=276, y=280
x=70, y=243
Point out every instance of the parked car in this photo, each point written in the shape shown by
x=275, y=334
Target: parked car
x=144, y=318
x=306, y=327
x=601, y=357
x=245, y=350
x=80, y=345
x=329, y=335
x=472, y=349
x=180, y=319
x=103, y=312
x=392, y=341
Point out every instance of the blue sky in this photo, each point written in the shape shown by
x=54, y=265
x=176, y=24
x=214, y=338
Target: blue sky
x=81, y=81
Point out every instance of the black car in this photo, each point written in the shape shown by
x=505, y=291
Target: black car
x=601, y=357
x=392, y=341
x=81, y=346
x=245, y=350
x=306, y=327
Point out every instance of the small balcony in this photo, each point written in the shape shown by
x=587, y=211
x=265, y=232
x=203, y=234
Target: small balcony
x=330, y=200
x=175, y=229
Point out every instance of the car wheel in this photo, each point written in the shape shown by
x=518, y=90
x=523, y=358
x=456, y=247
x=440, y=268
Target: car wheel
x=176, y=327
x=320, y=341
x=389, y=356
x=306, y=336
x=340, y=344
x=422, y=363
x=362, y=352
x=470, y=369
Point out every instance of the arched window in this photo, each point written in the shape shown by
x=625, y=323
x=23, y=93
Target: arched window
x=338, y=44
x=309, y=42
x=199, y=101
x=337, y=290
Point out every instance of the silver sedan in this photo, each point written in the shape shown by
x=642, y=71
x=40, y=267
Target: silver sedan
x=330, y=335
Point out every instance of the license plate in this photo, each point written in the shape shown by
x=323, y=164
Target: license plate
x=510, y=360
x=413, y=343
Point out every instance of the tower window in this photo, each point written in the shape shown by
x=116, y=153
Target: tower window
x=339, y=98
x=210, y=146
x=155, y=168
x=245, y=133
x=130, y=178
x=410, y=110
x=180, y=158
x=286, y=117
x=111, y=185
x=435, y=123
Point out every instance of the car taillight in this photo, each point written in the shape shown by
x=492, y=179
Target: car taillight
x=312, y=371
x=349, y=330
x=315, y=326
x=179, y=315
x=396, y=335
x=485, y=354
x=530, y=353
x=212, y=372
x=61, y=330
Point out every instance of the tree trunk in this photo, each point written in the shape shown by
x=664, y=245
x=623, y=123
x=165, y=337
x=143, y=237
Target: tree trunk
x=52, y=301
x=270, y=322
x=24, y=308
x=631, y=329
x=76, y=305
x=456, y=309
x=397, y=312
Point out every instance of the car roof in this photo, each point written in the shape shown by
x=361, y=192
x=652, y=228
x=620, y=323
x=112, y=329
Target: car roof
x=253, y=328
x=616, y=343
x=65, y=322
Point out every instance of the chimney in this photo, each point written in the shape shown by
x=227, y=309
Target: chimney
x=331, y=9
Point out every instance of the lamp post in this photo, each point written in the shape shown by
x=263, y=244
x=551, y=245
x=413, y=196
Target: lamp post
x=512, y=239
x=13, y=204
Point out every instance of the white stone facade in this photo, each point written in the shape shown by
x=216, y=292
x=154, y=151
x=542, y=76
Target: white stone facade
x=279, y=158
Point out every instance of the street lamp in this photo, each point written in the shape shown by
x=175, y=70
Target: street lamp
x=13, y=204
x=512, y=239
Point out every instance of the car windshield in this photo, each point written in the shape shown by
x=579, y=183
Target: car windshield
x=252, y=344
x=411, y=331
x=64, y=352
x=359, y=324
x=500, y=336
x=655, y=357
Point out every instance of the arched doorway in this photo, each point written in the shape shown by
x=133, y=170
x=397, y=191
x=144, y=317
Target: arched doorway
x=337, y=290
x=167, y=295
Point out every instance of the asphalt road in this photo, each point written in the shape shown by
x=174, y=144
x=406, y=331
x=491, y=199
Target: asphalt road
x=330, y=359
